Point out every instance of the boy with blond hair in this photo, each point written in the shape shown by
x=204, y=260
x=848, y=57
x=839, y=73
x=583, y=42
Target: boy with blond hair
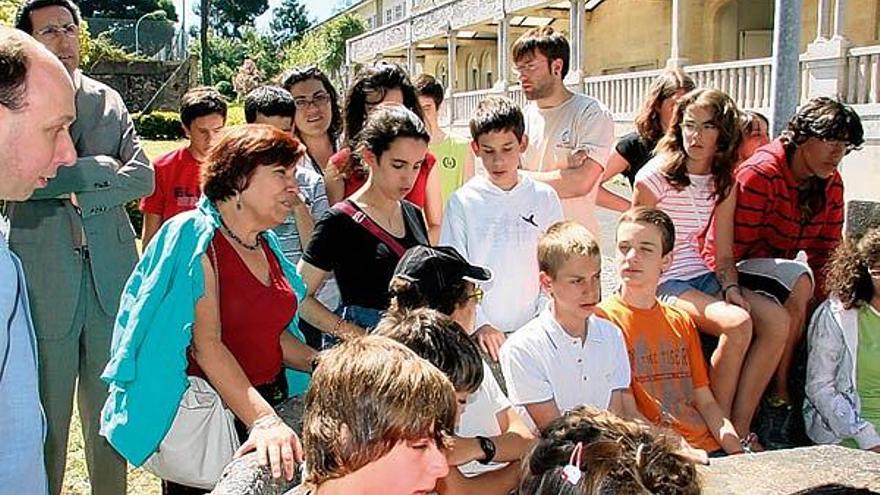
x=567, y=356
x=495, y=220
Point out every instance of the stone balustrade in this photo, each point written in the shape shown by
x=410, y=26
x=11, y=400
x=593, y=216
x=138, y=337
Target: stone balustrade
x=863, y=75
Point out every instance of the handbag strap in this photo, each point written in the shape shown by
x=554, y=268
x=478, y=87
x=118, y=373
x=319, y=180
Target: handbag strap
x=367, y=223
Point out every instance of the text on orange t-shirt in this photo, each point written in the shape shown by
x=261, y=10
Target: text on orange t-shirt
x=667, y=366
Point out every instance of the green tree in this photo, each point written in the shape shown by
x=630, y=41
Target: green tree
x=7, y=11
x=325, y=46
x=289, y=22
x=205, y=48
x=131, y=9
x=231, y=17
x=227, y=55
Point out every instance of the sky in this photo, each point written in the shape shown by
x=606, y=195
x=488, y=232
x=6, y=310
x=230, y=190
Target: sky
x=317, y=9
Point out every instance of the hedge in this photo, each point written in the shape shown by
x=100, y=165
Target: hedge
x=165, y=126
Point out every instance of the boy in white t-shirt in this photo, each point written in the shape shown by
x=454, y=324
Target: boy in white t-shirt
x=495, y=221
x=480, y=438
x=568, y=357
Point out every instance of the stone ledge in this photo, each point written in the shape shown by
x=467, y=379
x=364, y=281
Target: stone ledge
x=787, y=471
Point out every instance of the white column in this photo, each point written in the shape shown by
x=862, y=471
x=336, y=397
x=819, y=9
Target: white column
x=677, y=42
x=823, y=16
x=503, y=53
x=576, y=40
x=839, y=17
x=825, y=59
x=410, y=52
x=452, y=73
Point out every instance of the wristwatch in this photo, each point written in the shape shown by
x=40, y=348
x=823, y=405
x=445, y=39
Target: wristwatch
x=488, y=448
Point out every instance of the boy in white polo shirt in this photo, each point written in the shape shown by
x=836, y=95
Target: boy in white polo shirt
x=495, y=220
x=567, y=357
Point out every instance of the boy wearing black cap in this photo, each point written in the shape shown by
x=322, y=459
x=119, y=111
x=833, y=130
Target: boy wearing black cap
x=490, y=429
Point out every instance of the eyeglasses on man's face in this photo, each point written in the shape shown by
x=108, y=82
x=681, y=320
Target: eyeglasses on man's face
x=55, y=31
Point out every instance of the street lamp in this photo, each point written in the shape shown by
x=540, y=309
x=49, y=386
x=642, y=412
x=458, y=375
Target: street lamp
x=156, y=14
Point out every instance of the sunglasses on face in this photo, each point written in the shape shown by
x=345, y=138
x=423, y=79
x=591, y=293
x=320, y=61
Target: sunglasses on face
x=477, y=295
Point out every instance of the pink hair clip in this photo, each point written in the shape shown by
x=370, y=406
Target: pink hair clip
x=572, y=471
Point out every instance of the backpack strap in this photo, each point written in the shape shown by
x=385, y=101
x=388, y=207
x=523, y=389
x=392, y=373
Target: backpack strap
x=367, y=223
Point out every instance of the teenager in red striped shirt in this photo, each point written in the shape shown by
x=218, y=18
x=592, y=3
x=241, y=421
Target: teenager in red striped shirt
x=790, y=199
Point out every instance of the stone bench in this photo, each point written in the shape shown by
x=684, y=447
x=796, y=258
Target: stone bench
x=861, y=216
x=781, y=472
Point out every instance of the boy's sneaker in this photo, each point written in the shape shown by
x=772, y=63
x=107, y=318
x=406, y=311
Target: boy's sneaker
x=776, y=424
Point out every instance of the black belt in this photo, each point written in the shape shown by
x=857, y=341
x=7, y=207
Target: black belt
x=83, y=251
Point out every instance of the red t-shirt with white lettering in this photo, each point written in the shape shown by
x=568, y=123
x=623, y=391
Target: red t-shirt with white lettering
x=178, y=184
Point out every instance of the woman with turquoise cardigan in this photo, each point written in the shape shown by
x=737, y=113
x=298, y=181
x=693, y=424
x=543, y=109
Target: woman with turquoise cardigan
x=214, y=297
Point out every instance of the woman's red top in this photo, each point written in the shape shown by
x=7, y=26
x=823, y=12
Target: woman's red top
x=353, y=182
x=252, y=315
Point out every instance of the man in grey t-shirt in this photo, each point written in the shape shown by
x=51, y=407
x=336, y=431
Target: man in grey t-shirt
x=570, y=135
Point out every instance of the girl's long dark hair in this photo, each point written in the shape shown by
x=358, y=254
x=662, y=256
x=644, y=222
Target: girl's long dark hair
x=726, y=117
x=383, y=76
x=300, y=74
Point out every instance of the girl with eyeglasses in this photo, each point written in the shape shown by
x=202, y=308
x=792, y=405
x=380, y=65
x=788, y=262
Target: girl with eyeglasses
x=842, y=402
x=317, y=122
x=691, y=179
x=383, y=83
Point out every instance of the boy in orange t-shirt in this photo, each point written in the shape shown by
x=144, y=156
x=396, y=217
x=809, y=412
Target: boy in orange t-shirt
x=669, y=378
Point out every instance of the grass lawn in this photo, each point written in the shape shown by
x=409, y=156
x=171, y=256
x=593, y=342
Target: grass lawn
x=155, y=149
x=76, y=477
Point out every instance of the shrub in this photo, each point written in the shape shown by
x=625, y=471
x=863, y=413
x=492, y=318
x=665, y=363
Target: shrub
x=159, y=126
x=235, y=115
x=225, y=88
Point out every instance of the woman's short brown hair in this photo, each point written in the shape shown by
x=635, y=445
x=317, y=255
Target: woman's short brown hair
x=367, y=394
x=232, y=161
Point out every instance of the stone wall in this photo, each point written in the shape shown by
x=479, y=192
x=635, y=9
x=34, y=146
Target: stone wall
x=138, y=82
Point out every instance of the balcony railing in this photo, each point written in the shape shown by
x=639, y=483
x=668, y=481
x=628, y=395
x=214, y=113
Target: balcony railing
x=863, y=75
x=746, y=81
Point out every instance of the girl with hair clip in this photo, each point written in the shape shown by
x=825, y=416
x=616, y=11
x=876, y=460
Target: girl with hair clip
x=383, y=83
x=591, y=452
x=317, y=122
x=361, y=239
x=634, y=150
x=843, y=363
x=691, y=179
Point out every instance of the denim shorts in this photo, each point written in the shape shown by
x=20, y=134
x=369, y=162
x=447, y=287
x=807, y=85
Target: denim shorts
x=366, y=318
x=671, y=290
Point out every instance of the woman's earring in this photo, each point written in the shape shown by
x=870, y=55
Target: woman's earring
x=238, y=201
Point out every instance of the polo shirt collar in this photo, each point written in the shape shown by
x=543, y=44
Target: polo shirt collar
x=559, y=336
